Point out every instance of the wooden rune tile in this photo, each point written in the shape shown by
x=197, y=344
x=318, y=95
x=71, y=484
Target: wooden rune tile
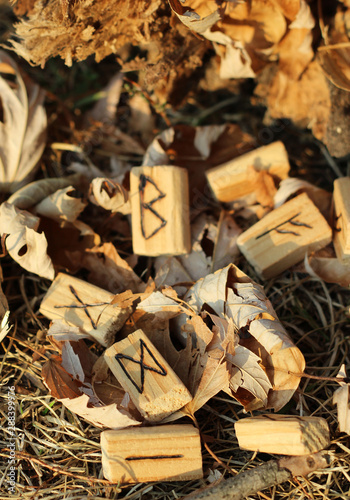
x=160, y=210
x=153, y=386
x=231, y=180
x=283, y=237
x=283, y=434
x=143, y=454
x=84, y=305
x=341, y=216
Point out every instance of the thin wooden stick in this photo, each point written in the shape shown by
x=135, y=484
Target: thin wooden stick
x=270, y=474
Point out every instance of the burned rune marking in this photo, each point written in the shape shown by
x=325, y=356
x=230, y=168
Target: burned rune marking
x=143, y=365
x=286, y=231
x=82, y=305
x=155, y=457
x=149, y=205
x=336, y=219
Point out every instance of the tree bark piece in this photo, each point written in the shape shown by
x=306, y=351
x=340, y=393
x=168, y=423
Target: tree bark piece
x=265, y=476
x=341, y=199
x=283, y=237
x=160, y=210
x=285, y=434
x=142, y=454
x=153, y=386
x=84, y=305
x=230, y=181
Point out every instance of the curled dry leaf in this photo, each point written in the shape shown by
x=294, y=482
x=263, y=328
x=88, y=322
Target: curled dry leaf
x=35, y=192
x=109, y=195
x=25, y=245
x=325, y=265
x=4, y=312
x=341, y=398
x=23, y=127
x=230, y=294
x=61, y=205
x=69, y=380
x=335, y=60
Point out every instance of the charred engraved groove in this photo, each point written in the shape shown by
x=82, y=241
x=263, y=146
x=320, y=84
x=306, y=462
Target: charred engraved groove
x=155, y=457
x=286, y=231
x=82, y=305
x=149, y=206
x=143, y=366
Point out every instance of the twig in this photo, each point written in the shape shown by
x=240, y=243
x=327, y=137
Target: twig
x=270, y=474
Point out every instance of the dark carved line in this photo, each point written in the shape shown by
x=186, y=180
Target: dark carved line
x=82, y=306
x=143, y=366
x=337, y=217
x=148, y=206
x=285, y=231
x=156, y=457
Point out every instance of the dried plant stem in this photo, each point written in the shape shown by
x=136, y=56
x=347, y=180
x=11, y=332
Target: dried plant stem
x=270, y=474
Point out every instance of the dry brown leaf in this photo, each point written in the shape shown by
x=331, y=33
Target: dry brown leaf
x=109, y=195
x=109, y=271
x=109, y=416
x=61, y=205
x=162, y=306
x=293, y=186
x=35, y=192
x=290, y=8
x=25, y=245
x=141, y=122
x=22, y=129
x=4, y=312
x=341, y=398
x=310, y=92
x=105, y=109
x=68, y=242
x=71, y=384
x=201, y=20
x=225, y=249
x=60, y=330
x=264, y=188
x=325, y=265
x=212, y=374
x=58, y=380
x=198, y=263
x=169, y=271
x=233, y=295
x=335, y=61
x=249, y=375
x=203, y=335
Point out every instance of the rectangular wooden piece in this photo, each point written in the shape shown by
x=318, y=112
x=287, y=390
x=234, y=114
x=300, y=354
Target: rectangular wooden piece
x=160, y=210
x=153, y=386
x=283, y=434
x=283, y=237
x=84, y=305
x=341, y=237
x=231, y=180
x=143, y=454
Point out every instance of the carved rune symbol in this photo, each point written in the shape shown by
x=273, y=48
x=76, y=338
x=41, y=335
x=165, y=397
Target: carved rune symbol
x=82, y=305
x=286, y=231
x=149, y=205
x=143, y=365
